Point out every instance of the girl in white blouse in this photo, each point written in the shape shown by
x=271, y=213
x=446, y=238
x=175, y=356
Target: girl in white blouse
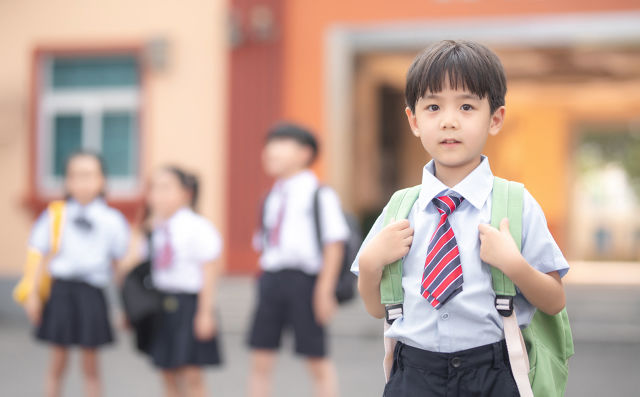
x=91, y=238
x=184, y=249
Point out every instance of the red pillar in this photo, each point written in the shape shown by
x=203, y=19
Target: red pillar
x=254, y=105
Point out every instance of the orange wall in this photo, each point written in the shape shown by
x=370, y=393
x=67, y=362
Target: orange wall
x=307, y=22
x=543, y=142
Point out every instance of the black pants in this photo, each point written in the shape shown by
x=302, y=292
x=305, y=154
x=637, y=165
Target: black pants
x=479, y=372
x=285, y=300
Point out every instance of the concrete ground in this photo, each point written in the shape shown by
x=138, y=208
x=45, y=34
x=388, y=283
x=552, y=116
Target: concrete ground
x=605, y=321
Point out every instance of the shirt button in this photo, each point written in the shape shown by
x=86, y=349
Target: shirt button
x=445, y=316
x=455, y=362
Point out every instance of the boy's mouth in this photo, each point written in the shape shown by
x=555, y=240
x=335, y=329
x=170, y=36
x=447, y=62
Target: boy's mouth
x=449, y=141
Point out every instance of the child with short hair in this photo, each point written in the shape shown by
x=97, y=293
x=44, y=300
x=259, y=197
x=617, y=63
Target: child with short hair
x=450, y=337
x=91, y=237
x=299, y=268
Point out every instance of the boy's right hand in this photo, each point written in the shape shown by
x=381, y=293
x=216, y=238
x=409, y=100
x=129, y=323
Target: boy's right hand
x=389, y=245
x=33, y=308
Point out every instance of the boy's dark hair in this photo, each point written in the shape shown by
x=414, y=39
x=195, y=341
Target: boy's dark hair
x=467, y=65
x=297, y=133
x=188, y=182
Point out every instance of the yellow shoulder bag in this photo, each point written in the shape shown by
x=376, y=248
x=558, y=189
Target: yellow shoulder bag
x=28, y=282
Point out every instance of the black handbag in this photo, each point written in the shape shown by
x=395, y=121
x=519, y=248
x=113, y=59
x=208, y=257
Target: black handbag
x=141, y=301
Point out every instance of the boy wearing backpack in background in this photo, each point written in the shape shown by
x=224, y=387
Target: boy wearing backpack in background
x=302, y=242
x=449, y=332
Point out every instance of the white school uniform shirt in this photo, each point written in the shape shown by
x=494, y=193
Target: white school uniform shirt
x=84, y=255
x=194, y=241
x=297, y=247
x=469, y=319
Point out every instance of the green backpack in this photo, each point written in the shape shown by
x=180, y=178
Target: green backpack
x=548, y=339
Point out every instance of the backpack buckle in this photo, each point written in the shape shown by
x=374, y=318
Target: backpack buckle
x=504, y=305
x=393, y=312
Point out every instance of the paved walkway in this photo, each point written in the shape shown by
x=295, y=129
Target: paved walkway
x=605, y=320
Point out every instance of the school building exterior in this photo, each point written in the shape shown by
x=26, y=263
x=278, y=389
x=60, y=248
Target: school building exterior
x=144, y=82
x=198, y=84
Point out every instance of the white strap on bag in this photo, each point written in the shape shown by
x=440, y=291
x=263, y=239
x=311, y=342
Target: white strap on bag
x=389, y=348
x=518, y=356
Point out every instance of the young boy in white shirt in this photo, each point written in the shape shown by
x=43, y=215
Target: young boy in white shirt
x=300, y=261
x=450, y=338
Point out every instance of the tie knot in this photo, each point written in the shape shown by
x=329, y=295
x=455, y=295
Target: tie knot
x=447, y=204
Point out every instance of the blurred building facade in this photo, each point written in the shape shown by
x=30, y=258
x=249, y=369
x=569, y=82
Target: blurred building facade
x=143, y=82
x=340, y=67
x=199, y=84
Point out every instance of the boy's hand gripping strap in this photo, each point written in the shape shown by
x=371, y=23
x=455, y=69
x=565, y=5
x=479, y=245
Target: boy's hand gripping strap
x=507, y=202
x=391, y=293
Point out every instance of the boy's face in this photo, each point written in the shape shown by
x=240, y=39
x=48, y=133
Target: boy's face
x=453, y=126
x=283, y=157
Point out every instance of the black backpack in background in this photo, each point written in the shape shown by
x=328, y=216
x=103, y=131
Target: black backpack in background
x=346, y=285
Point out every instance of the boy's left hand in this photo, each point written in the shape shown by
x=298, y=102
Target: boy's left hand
x=324, y=304
x=498, y=248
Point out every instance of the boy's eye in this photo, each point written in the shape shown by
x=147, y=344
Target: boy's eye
x=466, y=107
x=433, y=108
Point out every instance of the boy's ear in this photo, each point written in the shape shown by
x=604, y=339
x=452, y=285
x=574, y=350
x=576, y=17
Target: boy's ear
x=412, y=121
x=497, y=120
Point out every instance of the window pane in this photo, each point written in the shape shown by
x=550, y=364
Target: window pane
x=67, y=137
x=119, y=143
x=94, y=72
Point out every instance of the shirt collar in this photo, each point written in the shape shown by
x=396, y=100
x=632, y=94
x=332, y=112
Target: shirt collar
x=475, y=187
x=94, y=205
x=179, y=214
x=303, y=177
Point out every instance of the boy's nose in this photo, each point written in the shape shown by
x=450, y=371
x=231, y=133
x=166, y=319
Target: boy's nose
x=448, y=123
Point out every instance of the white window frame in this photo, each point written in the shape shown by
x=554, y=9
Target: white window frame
x=91, y=104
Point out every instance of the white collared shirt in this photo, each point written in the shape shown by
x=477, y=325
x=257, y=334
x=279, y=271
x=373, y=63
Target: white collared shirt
x=469, y=319
x=297, y=247
x=194, y=241
x=84, y=254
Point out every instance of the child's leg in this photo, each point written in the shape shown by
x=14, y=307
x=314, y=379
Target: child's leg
x=91, y=371
x=325, y=378
x=170, y=379
x=262, y=364
x=57, y=367
x=193, y=381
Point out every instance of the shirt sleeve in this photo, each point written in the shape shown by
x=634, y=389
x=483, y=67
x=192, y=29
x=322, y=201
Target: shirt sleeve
x=538, y=246
x=121, y=234
x=208, y=242
x=375, y=229
x=40, y=238
x=334, y=225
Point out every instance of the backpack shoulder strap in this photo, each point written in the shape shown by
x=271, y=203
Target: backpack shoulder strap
x=506, y=202
x=316, y=216
x=398, y=208
x=56, y=211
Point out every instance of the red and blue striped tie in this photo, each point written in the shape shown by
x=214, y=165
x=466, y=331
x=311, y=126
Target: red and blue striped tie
x=442, y=277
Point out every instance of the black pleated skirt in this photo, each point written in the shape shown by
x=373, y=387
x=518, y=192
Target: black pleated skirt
x=76, y=314
x=173, y=343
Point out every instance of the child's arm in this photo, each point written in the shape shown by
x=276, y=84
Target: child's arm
x=204, y=321
x=543, y=290
x=324, y=300
x=132, y=256
x=392, y=243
